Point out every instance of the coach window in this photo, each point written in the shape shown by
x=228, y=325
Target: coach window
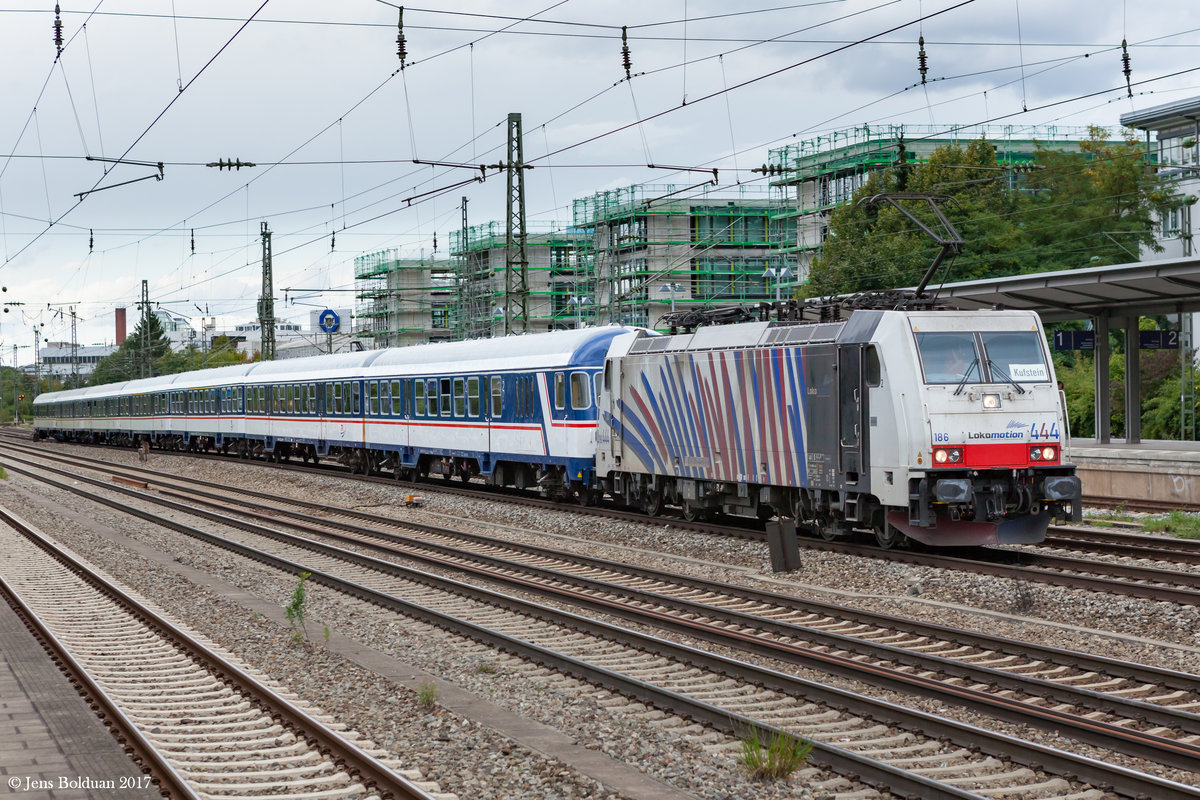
x=329, y=399
x=337, y=400
x=373, y=398
x=356, y=393
x=581, y=394
x=212, y=401
x=874, y=373
x=419, y=398
x=472, y=397
x=397, y=399
x=312, y=399
x=385, y=398
x=560, y=391
x=460, y=399
x=497, y=396
x=445, y=404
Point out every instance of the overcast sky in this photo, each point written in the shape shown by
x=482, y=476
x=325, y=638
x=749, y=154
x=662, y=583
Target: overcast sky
x=311, y=92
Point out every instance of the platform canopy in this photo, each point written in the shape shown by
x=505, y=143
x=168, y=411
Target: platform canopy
x=1142, y=288
x=1113, y=298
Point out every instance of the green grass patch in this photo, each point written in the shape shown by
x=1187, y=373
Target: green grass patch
x=1178, y=523
x=427, y=695
x=1118, y=514
x=773, y=756
x=3, y=474
x=295, y=610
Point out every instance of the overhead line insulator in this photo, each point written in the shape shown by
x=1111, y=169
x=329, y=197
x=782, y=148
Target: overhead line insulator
x=58, y=39
x=626, y=61
x=922, y=60
x=401, y=44
x=1126, y=70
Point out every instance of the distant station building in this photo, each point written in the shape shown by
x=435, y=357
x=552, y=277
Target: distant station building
x=1176, y=145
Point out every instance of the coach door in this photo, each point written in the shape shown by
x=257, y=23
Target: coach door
x=852, y=404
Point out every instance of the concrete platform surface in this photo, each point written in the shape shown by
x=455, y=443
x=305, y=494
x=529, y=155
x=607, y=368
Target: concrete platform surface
x=1163, y=471
x=52, y=744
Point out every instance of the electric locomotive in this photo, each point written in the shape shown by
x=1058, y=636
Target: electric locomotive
x=940, y=426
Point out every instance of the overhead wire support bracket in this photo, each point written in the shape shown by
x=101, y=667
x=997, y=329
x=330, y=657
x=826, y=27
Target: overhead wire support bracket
x=713, y=170
x=158, y=176
x=483, y=168
x=647, y=203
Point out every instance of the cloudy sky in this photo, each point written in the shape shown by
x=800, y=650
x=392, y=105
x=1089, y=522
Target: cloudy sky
x=312, y=93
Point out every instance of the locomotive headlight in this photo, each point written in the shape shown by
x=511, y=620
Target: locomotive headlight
x=991, y=401
x=1047, y=454
x=947, y=455
x=1035, y=454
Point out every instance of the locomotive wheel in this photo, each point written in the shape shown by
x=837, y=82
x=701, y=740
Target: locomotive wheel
x=652, y=503
x=889, y=536
x=692, y=512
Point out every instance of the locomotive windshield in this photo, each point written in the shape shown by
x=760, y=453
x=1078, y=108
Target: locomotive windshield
x=1018, y=354
x=948, y=357
x=955, y=357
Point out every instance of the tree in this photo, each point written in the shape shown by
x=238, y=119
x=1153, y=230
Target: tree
x=1097, y=206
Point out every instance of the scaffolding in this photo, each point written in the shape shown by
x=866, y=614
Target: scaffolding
x=403, y=301
x=560, y=293
x=652, y=249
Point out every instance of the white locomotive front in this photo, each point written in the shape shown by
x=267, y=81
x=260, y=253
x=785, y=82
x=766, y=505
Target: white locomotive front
x=944, y=427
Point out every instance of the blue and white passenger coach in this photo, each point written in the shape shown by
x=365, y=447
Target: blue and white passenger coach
x=519, y=411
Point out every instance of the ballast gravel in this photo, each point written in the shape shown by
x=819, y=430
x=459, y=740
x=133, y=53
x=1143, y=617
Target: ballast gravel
x=475, y=761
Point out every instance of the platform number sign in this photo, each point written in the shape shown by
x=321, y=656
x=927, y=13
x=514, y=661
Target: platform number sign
x=1074, y=340
x=329, y=321
x=1158, y=340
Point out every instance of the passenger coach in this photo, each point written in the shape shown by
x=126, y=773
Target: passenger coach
x=519, y=411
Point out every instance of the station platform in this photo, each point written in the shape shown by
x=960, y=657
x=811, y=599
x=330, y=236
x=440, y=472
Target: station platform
x=1156, y=470
x=52, y=744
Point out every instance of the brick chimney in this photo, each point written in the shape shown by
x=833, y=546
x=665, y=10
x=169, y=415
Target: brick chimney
x=120, y=327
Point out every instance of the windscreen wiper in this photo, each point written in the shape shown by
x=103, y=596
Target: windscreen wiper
x=967, y=374
x=995, y=368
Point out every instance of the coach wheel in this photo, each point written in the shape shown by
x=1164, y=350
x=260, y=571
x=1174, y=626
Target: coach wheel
x=521, y=479
x=692, y=512
x=588, y=496
x=889, y=536
x=652, y=503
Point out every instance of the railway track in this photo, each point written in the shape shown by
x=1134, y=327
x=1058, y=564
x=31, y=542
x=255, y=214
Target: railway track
x=199, y=724
x=1114, y=577
x=773, y=693
x=1145, y=547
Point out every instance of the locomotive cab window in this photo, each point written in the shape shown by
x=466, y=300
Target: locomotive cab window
x=949, y=357
x=872, y=371
x=1015, y=355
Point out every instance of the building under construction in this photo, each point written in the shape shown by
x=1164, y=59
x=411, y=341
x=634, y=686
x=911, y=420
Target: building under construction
x=560, y=291
x=824, y=172
x=403, y=301
x=651, y=249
